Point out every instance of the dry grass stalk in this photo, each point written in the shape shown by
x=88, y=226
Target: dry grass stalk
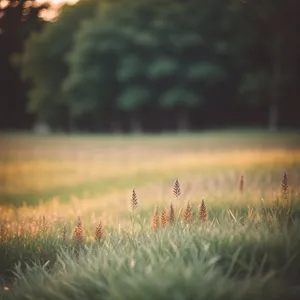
x=134, y=201
x=171, y=213
x=78, y=235
x=269, y=220
x=44, y=225
x=241, y=184
x=99, y=232
x=203, y=213
x=164, y=218
x=155, y=219
x=251, y=213
x=64, y=234
x=176, y=189
x=284, y=188
x=187, y=213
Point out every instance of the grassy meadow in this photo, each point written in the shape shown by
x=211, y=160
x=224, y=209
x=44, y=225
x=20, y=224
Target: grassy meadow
x=71, y=226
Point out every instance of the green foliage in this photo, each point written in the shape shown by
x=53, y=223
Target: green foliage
x=133, y=98
x=182, y=41
x=264, y=78
x=17, y=23
x=96, y=54
x=179, y=97
x=131, y=68
x=255, y=86
x=43, y=62
x=162, y=67
x=206, y=72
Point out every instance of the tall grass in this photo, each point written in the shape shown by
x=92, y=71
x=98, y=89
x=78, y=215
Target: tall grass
x=234, y=256
x=213, y=235
x=220, y=261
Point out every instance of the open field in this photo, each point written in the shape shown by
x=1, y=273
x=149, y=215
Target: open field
x=249, y=248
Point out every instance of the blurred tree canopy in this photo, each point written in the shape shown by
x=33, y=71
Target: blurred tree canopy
x=18, y=19
x=44, y=64
x=139, y=62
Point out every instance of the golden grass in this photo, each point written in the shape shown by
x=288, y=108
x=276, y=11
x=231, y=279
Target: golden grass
x=33, y=166
x=204, y=171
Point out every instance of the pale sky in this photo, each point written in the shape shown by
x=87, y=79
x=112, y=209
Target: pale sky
x=49, y=14
x=52, y=13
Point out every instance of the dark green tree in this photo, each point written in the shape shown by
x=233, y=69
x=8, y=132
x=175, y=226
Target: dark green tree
x=18, y=19
x=190, y=63
x=92, y=85
x=128, y=59
x=271, y=70
x=108, y=64
x=44, y=65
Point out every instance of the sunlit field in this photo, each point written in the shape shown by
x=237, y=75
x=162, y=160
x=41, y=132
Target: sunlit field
x=71, y=226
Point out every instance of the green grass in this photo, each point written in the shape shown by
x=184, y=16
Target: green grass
x=217, y=261
x=248, y=249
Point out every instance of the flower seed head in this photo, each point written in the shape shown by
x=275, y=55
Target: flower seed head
x=203, y=214
x=134, y=201
x=187, y=213
x=176, y=189
x=164, y=218
x=155, y=219
x=171, y=213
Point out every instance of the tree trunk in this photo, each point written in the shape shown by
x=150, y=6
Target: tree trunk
x=116, y=127
x=273, y=117
x=135, y=123
x=276, y=86
x=71, y=122
x=183, y=121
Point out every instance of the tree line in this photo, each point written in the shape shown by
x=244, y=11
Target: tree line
x=164, y=64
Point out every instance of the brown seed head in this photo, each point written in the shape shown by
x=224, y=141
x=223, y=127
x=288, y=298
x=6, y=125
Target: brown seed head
x=176, y=189
x=164, y=218
x=284, y=188
x=155, y=219
x=134, y=201
x=187, y=213
x=64, y=234
x=242, y=184
x=78, y=232
x=202, y=211
x=99, y=232
x=171, y=213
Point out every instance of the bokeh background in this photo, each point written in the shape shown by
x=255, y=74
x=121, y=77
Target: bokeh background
x=150, y=66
